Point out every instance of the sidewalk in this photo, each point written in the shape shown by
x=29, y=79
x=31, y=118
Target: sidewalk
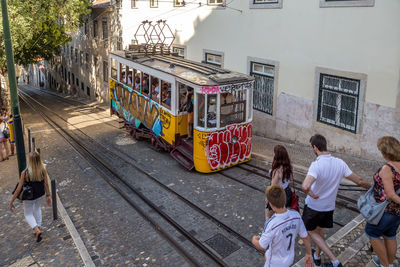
x=17, y=242
x=302, y=156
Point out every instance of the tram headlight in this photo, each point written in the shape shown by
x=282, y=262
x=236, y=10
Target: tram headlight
x=234, y=140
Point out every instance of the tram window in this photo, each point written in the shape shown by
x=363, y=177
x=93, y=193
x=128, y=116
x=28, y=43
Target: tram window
x=182, y=96
x=166, y=94
x=113, y=69
x=137, y=80
x=200, y=110
x=122, y=75
x=211, y=111
x=145, y=84
x=233, y=107
x=155, y=88
x=130, y=76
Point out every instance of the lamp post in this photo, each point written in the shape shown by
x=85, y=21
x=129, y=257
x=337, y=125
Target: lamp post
x=19, y=137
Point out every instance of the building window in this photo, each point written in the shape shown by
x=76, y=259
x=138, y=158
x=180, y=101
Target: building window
x=81, y=57
x=215, y=2
x=266, y=3
x=178, y=51
x=77, y=82
x=88, y=90
x=153, y=3
x=86, y=27
x=105, y=29
x=263, y=93
x=338, y=101
x=87, y=60
x=213, y=59
x=95, y=28
x=179, y=3
x=105, y=71
x=82, y=86
x=133, y=3
x=76, y=55
x=72, y=53
x=96, y=67
x=346, y=3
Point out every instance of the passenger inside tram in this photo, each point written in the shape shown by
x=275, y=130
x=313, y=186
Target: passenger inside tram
x=155, y=89
x=182, y=97
x=137, y=84
x=130, y=78
x=145, y=84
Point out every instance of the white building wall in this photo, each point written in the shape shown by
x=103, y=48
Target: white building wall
x=302, y=38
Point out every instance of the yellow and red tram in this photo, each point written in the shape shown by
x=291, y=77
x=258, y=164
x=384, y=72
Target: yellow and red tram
x=149, y=93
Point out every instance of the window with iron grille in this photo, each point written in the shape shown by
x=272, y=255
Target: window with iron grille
x=213, y=59
x=179, y=3
x=153, y=3
x=263, y=92
x=215, y=2
x=338, y=102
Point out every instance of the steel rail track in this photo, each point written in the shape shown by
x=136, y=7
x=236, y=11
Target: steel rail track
x=84, y=151
x=154, y=179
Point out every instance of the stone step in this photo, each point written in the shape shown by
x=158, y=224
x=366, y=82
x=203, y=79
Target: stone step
x=352, y=246
x=347, y=233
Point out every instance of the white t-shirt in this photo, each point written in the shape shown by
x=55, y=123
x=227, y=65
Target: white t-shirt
x=328, y=171
x=279, y=238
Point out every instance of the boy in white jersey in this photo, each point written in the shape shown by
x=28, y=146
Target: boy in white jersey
x=280, y=231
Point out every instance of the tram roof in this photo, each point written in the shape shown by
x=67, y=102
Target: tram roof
x=197, y=73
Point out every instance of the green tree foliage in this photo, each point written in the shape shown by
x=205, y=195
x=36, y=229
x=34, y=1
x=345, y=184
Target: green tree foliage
x=40, y=27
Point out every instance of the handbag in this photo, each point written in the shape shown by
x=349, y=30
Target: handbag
x=371, y=210
x=6, y=132
x=294, y=204
x=26, y=192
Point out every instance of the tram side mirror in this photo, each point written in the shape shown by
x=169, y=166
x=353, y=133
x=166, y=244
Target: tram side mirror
x=234, y=140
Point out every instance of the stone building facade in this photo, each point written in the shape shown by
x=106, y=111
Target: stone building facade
x=326, y=66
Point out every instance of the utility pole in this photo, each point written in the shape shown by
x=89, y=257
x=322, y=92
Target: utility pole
x=19, y=137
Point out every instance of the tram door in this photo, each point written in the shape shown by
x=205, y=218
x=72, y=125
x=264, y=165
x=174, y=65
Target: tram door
x=182, y=119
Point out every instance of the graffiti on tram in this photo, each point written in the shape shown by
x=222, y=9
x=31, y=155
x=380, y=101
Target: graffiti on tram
x=221, y=151
x=136, y=108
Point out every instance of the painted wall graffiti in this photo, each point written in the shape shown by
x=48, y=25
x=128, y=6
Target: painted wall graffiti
x=136, y=108
x=210, y=89
x=227, y=88
x=222, y=152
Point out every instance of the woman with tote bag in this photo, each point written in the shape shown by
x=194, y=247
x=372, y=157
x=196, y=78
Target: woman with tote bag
x=36, y=176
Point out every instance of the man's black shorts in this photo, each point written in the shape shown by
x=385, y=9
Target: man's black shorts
x=313, y=218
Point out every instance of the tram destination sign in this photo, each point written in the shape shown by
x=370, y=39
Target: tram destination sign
x=213, y=89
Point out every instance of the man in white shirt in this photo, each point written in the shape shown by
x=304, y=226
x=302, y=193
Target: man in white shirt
x=321, y=186
x=280, y=231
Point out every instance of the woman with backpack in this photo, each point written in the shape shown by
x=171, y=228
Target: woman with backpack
x=36, y=176
x=4, y=139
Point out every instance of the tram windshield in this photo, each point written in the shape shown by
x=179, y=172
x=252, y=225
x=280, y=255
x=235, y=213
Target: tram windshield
x=233, y=107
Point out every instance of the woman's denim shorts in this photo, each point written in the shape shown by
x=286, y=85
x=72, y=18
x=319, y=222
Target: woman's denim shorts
x=387, y=227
